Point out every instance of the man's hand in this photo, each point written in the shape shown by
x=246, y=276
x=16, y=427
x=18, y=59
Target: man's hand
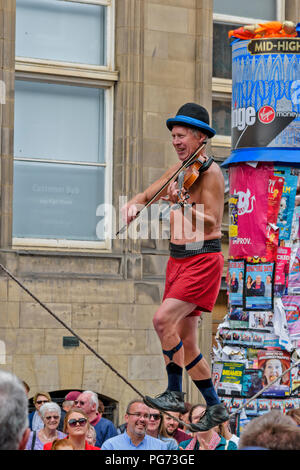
x=173, y=192
x=130, y=212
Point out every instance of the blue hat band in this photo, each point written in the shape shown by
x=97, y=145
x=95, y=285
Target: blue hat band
x=192, y=122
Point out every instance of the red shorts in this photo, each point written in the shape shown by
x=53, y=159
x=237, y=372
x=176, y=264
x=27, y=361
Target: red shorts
x=195, y=279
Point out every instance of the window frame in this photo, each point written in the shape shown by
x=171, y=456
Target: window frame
x=222, y=87
x=85, y=75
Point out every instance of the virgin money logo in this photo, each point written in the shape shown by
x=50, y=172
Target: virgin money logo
x=266, y=114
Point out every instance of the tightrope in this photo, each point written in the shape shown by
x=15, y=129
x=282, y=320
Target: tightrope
x=114, y=370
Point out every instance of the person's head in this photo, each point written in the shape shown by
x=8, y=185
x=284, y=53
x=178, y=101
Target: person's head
x=50, y=413
x=190, y=128
x=76, y=423
x=295, y=415
x=137, y=419
x=88, y=402
x=272, y=370
x=67, y=405
x=241, y=275
x=258, y=279
x=155, y=418
x=196, y=413
x=14, y=431
x=249, y=279
x=170, y=424
x=26, y=386
x=62, y=444
x=40, y=398
x=185, y=416
x=269, y=279
x=91, y=435
x=233, y=276
x=273, y=431
x=101, y=407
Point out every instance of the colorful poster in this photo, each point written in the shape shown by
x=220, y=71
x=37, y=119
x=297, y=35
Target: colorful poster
x=231, y=379
x=274, y=196
x=291, y=306
x=294, y=275
x=261, y=320
x=282, y=270
x=258, y=288
x=236, y=282
x=273, y=363
x=238, y=318
x=251, y=186
x=252, y=382
x=287, y=202
x=233, y=216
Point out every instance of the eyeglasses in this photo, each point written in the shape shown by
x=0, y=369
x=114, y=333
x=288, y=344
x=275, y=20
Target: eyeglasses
x=48, y=418
x=140, y=415
x=39, y=402
x=155, y=416
x=73, y=422
x=79, y=402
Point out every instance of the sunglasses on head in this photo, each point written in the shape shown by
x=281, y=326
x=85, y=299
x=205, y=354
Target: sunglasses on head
x=80, y=421
x=39, y=402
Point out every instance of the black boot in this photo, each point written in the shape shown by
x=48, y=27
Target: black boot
x=167, y=401
x=214, y=415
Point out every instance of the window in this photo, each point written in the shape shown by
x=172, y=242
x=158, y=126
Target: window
x=63, y=122
x=224, y=21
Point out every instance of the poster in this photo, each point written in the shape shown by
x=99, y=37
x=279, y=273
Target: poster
x=236, y=282
x=281, y=276
x=258, y=286
x=273, y=363
x=252, y=382
x=294, y=275
x=238, y=318
x=231, y=379
x=261, y=320
x=287, y=202
x=291, y=306
x=274, y=196
x=251, y=186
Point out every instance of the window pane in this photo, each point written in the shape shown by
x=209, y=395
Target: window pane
x=222, y=54
x=265, y=10
x=221, y=117
x=59, y=122
x=56, y=200
x=58, y=30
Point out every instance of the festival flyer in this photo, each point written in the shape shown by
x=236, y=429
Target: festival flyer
x=251, y=408
x=274, y=196
x=233, y=216
x=237, y=403
x=294, y=275
x=277, y=405
x=236, y=282
x=217, y=373
x=227, y=403
x=252, y=382
x=261, y=320
x=251, y=186
x=282, y=270
x=287, y=202
x=263, y=406
x=231, y=379
x=290, y=404
x=238, y=318
x=273, y=363
x=259, y=286
x=291, y=304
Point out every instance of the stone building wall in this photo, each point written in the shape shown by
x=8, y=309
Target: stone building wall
x=163, y=55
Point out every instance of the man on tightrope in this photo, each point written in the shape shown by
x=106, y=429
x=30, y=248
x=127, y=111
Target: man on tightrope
x=194, y=269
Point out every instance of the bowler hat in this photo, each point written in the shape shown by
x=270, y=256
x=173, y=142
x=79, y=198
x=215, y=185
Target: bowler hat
x=192, y=115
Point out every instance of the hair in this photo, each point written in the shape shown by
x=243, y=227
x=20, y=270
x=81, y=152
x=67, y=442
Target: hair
x=92, y=430
x=27, y=388
x=73, y=410
x=59, y=443
x=193, y=409
x=131, y=403
x=49, y=407
x=68, y=403
x=294, y=414
x=93, y=397
x=13, y=411
x=101, y=407
x=162, y=430
x=45, y=394
x=273, y=431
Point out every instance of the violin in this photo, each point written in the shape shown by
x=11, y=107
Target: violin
x=191, y=174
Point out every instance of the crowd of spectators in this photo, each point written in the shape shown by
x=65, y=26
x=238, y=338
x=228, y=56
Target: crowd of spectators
x=78, y=424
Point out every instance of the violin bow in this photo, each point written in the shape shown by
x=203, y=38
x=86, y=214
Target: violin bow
x=184, y=165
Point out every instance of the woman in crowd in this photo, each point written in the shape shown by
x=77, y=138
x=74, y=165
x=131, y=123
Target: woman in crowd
x=76, y=426
x=50, y=413
x=35, y=420
x=207, y=440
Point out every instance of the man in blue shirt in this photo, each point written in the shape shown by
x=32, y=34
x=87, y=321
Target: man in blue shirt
x=135, y=437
